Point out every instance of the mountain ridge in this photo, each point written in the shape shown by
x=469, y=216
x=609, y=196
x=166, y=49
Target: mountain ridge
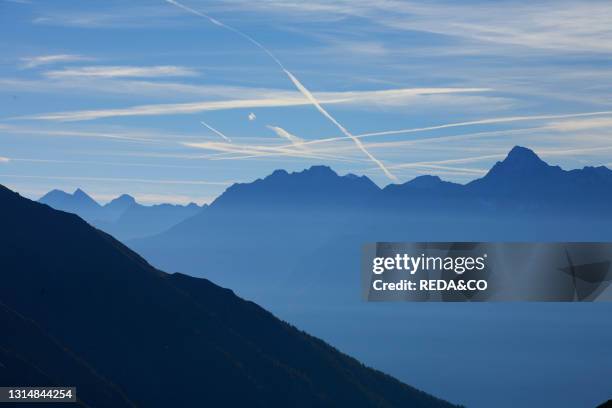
x=521, y=178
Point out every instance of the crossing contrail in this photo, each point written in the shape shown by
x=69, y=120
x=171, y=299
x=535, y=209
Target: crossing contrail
x=227, y=139
x=295, y=82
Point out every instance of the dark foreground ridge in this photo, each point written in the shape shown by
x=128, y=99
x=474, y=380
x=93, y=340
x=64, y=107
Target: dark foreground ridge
x=81, y=309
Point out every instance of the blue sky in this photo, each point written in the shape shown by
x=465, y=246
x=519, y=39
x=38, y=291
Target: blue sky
x=111, y=97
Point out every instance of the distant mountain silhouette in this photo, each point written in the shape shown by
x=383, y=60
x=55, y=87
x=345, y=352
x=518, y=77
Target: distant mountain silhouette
x=318, y=187
x=313, y=222
x=82, y=309
x=122, y=217
x=141, y=220
x=78, y=202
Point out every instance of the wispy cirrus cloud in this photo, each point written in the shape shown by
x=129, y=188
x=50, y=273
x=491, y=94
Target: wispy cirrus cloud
x=581, y=124
x=123, y=71
x=535, y=25
x=4, y=159
x=585, y=24
x=108, y=15
x=123, y=136
x=36, y=61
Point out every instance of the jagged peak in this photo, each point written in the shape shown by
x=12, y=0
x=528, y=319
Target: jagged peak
x=522, y=155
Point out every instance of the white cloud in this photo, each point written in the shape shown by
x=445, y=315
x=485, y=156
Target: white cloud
x=123, y=71
x=581, y=124
x=33, y=62
x=109, y=15
x=575, y=26
x=369, y=49
x=135, y=87
x=4, y=159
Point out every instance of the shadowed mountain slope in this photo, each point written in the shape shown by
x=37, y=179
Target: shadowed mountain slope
x=85, y=310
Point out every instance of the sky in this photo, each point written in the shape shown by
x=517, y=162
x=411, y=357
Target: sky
x=174, y=102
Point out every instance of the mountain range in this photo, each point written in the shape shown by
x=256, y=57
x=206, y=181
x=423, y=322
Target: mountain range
x=521, y=182
x=521, y=185
x=79, y=308
x=122, y=217
x=313, y=223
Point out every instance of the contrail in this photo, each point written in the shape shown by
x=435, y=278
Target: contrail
x=507, y=119
x=358, y=142
x=296, y=141
x=227, y=139
x=295, y=81
x=255, y=151
x=489, y=121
